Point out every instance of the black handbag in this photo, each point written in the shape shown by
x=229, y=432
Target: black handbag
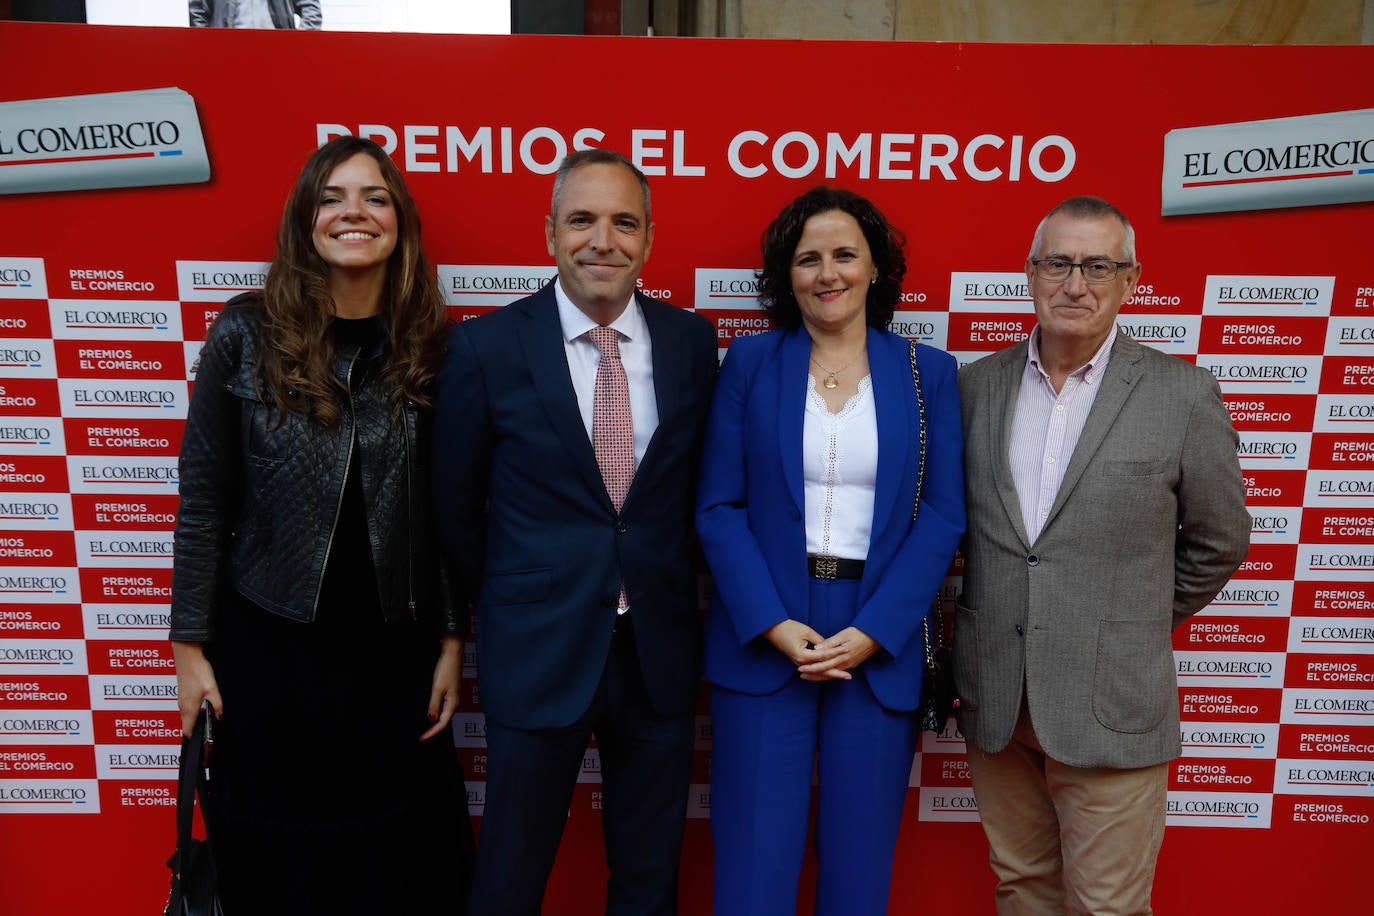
x=938, y=696
x=939, y=700
x=194, y=880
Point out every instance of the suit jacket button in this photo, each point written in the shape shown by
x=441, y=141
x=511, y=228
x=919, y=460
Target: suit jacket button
x=1019, y=630
x=1032, y=560
x=622, y=526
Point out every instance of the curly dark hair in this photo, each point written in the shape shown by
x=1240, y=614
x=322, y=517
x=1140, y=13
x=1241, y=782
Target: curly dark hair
x=780, y=240
x=297, y=308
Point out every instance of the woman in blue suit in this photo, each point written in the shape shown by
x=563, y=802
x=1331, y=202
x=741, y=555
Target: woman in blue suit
x=813, y=640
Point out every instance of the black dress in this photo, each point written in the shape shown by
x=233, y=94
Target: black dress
x=323, y=798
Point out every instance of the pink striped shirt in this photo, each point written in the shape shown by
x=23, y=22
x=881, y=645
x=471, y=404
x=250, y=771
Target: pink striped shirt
x=1046, y=427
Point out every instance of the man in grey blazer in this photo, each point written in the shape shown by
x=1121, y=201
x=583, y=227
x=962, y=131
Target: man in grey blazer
x=1105, y=505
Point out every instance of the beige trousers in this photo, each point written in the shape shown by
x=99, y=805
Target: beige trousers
x=1065, y=839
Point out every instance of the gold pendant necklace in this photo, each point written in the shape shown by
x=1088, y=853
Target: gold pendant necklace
x=830, y=382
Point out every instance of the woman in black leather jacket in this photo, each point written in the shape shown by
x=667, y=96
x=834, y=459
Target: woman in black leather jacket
x=308, y=609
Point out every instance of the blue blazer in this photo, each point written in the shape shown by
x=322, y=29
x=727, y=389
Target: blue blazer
x=530, y=535
x=752, y=523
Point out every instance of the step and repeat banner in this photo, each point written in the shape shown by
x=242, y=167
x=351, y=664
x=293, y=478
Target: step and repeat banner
x=142, y=172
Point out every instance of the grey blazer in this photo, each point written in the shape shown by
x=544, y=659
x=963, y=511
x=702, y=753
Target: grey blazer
x=1148, y=525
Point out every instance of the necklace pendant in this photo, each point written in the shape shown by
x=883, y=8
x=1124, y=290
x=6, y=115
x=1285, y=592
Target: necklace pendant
x=830, y=382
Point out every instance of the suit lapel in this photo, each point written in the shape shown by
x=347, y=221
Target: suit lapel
x=541, y=339
x=1007, y=386
x=795, y=356
x=1122, y=372
x=668, y=356
x=890, y=378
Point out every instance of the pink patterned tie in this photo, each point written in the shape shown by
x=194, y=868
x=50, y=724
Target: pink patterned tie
x=612, y=432
x=612, y=435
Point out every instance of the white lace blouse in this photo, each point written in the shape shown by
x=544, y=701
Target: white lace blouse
x=840, y=469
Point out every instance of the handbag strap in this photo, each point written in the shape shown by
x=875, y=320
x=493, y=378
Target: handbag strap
x=191, y=781
x=916, y=507
x=921, y=421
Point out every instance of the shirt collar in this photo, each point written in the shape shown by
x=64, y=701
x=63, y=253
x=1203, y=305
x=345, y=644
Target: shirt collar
x=575, y=323
x=1099, y=359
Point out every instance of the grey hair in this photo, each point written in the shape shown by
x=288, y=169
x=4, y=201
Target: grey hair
x=1087, y=207
x=597, y=156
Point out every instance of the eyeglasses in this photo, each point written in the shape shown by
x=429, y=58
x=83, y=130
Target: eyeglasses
x=1099, y=270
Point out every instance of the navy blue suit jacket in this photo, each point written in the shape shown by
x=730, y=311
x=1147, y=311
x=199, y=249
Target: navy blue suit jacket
x=752, y=524
x=529, y=532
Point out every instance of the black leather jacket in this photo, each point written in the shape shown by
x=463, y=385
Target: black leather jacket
x=259, y=505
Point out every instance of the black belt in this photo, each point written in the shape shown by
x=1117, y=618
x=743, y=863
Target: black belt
x=823, y=567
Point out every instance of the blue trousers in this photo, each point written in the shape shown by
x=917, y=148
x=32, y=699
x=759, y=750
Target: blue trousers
x=763, y=751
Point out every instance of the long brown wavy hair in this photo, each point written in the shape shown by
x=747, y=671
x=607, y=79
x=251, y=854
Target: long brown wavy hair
x=298, y=348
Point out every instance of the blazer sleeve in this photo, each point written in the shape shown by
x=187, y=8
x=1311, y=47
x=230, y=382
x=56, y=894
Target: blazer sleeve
x=1213, y=524
x=737, y=562
x=460, y=465
x=908, y=585
x=309, y=11
x=705, y=370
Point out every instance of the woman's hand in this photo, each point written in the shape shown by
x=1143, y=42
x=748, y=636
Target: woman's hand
x=845, y=651
x=799, y=643
x=195, y=684
x=443, y=695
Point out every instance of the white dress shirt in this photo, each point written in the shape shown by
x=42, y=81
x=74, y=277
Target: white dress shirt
x=636, y=355
x=1046, y=427
x=840, y=472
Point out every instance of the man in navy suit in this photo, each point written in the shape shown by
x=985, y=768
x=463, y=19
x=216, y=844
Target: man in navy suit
x=580, y=569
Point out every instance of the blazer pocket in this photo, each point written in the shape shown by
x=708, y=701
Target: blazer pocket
x=965, y=654
x=518, y=586
x=1134, y=680
x=1134, y=468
